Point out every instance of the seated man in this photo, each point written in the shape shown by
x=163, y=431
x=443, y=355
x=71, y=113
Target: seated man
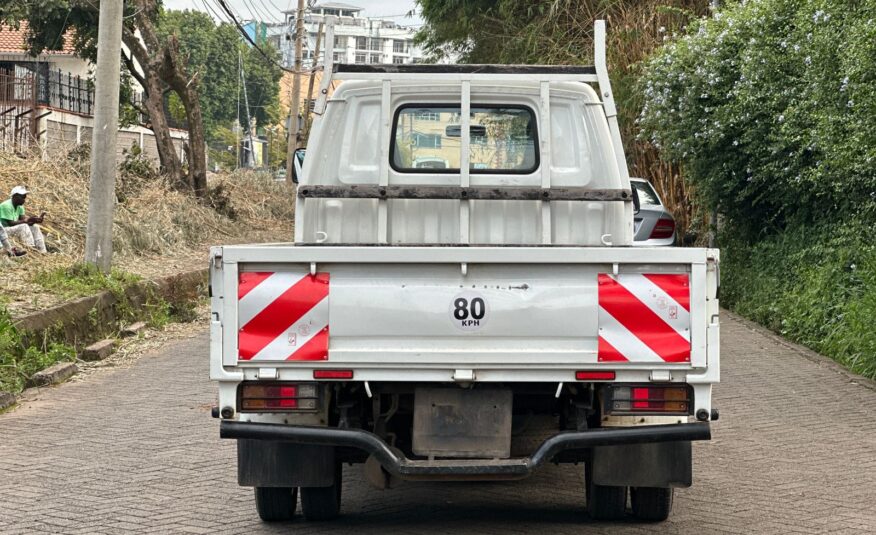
x=7, y=246
x=16, y=225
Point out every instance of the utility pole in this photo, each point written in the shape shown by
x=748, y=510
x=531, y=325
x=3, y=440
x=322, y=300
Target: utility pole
x=308, y=117
x=296, y=92
x=101, y=195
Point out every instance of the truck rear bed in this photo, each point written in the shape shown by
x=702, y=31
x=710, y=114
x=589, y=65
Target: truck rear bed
x=490, y=314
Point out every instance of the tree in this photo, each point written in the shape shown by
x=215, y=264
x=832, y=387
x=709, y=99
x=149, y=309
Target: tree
x=218, y=53
x=560, y=32
x=155, y=62
x=770, y=106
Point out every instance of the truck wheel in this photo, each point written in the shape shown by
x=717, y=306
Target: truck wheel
x=651, y=503
x=322, y=503
x=276, y=503
x=604, y=502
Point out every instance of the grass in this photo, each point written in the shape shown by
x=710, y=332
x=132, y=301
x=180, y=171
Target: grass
x=18, y=363
x=81, y=280
x=815, y=286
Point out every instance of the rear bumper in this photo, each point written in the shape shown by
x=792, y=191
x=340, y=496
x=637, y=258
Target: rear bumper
x=398, y=465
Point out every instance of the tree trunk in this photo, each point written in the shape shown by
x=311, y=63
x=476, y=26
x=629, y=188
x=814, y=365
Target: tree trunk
x=174, y=74
x=154, y=104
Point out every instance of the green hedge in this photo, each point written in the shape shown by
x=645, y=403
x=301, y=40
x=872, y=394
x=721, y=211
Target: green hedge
x=815, y=286
x=770, y=106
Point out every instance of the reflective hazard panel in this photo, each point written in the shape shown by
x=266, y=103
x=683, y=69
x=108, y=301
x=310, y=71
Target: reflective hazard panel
x=282, y=316
x=644, y=317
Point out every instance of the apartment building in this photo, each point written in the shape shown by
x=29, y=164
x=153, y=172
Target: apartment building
x=358, y=39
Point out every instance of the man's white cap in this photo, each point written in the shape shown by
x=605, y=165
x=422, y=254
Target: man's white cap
x=19, y=190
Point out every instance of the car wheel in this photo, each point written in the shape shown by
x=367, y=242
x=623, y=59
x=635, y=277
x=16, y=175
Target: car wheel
x=276, y=503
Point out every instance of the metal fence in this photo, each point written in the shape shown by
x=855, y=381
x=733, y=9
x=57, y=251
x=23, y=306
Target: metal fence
x=66, y=92
x=54, y=89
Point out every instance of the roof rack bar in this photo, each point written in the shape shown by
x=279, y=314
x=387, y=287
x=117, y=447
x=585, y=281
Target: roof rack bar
x=461, y=68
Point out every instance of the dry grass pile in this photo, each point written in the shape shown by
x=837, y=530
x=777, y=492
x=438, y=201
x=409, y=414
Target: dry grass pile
x=157, y=230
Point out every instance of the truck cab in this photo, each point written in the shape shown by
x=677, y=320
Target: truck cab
x=462, y=273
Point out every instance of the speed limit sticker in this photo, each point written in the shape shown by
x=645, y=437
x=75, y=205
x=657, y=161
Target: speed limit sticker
x=469, y=311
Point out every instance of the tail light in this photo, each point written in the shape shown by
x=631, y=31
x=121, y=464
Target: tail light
x=647, y=399
x=277, y=397
x=664, y=228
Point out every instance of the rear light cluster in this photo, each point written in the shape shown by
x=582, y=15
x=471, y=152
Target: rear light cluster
x=278, y=397
x=664, y=228
x=648, y=399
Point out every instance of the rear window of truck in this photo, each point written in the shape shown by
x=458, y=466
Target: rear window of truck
x=428, y=139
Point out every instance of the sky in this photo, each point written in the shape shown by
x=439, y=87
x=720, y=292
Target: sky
x=264, y=9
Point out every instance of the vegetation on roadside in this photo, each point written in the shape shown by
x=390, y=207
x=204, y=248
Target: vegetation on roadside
x=770, y=109
x=18, y=362
x=80, y=280
x=158, y=231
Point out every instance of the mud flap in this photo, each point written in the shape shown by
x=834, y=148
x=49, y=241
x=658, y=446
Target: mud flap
x=267, y=463
x=661, y=464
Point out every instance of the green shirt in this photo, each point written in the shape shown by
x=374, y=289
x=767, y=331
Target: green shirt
x=9, y=212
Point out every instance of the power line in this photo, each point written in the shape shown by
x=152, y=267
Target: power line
x=249, y=39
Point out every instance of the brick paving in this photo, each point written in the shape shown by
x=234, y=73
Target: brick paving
x=135, y=451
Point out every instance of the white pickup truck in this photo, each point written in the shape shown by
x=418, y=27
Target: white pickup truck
x=462, y=300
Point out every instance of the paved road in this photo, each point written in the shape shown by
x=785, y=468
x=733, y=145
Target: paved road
x=135, y=451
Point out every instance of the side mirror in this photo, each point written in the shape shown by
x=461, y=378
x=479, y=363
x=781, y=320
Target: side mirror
x=637, y=205
x=297, y=164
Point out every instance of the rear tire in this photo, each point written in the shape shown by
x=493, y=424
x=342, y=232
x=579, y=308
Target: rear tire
x=604, y=502
x=276, y=503
x=651, y=504
x=322, y=503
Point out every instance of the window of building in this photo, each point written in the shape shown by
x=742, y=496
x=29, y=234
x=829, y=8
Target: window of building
x=376, y=44
x=427, y=116
x=347, y=13
x=375, y=58
x=502, y=139
x=334, y=12
x=361, y=43
x=426, y=141
x=360, y=59
x=338, y=57
x=399, y=47
x=398, y=59
x=340, y=41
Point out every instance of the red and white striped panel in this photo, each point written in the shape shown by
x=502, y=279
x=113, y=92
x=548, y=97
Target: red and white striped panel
x=644, y=318
x=282, y=316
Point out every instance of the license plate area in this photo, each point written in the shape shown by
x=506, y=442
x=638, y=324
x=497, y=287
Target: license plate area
x=461, y=423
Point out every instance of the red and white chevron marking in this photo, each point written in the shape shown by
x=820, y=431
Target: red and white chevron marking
x=644, y=318
x=282, y=316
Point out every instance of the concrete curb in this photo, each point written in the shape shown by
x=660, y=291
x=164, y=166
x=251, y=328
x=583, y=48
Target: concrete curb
x=98, y=350
x=77, y=318
x=74, y=319
x=805, y=352
x=53, y=375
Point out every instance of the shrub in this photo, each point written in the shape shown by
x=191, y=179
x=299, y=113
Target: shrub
x=771, y=108
x=816, y=286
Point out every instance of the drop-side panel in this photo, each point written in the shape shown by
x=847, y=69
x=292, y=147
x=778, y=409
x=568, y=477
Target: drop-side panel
x=480, y=314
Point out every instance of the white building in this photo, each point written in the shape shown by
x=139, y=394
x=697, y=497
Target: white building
x=358, y=39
